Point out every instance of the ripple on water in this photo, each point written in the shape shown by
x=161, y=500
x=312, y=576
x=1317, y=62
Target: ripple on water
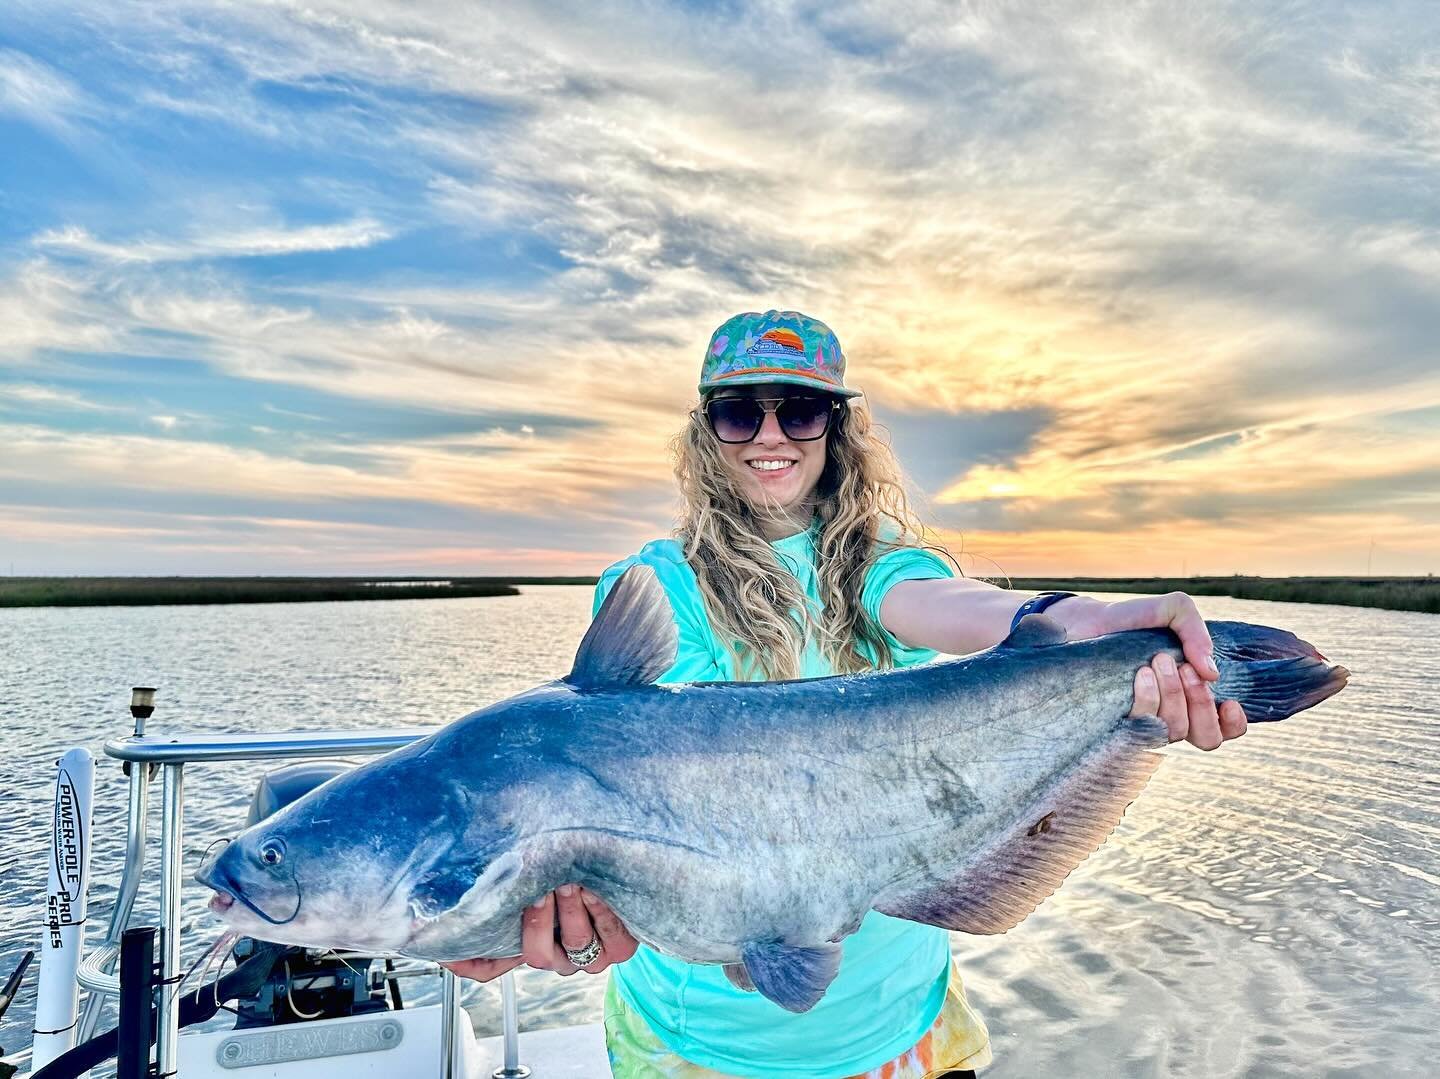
x=1267, y=910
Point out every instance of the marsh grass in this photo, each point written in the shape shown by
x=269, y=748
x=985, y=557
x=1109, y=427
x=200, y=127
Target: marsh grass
x=153, y=591
x=1388, y=593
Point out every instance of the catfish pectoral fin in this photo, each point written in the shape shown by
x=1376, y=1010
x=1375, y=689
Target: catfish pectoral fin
x=794, y=978
x=1011, y=875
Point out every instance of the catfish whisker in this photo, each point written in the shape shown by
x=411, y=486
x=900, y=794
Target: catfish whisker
x=207, y=958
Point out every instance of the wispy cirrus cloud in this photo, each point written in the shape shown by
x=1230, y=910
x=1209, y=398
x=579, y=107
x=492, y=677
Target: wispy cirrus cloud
x=31, y=396
x=38, y=94
x=244, y=243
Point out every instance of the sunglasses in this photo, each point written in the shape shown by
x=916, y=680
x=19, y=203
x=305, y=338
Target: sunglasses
x=802, y=419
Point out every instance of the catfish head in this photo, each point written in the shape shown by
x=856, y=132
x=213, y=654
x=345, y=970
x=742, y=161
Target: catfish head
x=434, y=850
x=371, y=859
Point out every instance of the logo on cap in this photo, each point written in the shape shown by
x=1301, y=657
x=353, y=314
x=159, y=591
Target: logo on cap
x=778, y=345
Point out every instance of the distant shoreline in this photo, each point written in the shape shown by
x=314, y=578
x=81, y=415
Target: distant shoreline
x=1387, y=593
x=167, y=591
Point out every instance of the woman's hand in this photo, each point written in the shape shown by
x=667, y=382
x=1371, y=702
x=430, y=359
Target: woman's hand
x=582, y=917
x=1180, y=694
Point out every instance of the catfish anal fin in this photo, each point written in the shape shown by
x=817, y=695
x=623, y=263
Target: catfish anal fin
x=1010, y=876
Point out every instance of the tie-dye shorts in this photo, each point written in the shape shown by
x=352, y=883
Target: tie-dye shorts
x=949, y=1045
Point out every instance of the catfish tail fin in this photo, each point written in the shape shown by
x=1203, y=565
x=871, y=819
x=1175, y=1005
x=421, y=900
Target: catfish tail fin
x=1271, y=672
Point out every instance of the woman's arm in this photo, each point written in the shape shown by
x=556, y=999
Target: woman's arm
x=959, y=615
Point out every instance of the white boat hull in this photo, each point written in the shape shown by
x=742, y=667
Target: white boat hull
x=381, y=1045
x=385, y=1045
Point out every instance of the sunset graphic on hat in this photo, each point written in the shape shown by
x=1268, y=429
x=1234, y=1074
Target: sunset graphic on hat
x=778, y=344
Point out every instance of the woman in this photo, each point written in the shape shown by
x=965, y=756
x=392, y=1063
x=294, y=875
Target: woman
x=797, y=555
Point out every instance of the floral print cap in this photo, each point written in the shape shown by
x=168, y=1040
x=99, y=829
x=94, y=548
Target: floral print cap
x=778, y=346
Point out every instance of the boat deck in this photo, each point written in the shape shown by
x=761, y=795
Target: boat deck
x=557, y=1053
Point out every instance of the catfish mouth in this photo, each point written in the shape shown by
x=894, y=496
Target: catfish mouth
x=227, y=893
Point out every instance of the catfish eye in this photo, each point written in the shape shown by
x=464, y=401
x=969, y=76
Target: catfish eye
x=272, y=851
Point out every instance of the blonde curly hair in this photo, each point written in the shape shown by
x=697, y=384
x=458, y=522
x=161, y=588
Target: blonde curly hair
x=756, y=606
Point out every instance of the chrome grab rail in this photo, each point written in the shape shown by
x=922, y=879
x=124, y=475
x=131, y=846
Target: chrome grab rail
x=511, y=1068
x=204, y=748
x=449, y=1005
x=172, y=858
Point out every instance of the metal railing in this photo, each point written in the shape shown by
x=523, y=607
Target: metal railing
x=170, y=753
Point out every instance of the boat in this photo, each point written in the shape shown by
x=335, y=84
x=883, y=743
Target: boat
x=299, y=1013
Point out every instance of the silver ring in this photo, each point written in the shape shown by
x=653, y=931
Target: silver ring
x=583, y=957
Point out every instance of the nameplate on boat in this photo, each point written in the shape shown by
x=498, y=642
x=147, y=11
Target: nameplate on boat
x=307, y=1041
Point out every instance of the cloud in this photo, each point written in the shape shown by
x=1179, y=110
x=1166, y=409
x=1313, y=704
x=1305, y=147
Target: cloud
x=47, y=539
x=245, y=243
x=38, y=93
x=1276, y=499
x=495, y=470
x=29, y=396
x=938, y=446
x=44, y=308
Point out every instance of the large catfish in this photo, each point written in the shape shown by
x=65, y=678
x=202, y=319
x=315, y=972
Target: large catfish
x=747, y=824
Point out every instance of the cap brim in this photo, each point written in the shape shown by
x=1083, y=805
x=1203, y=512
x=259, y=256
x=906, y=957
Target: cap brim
x=759, y=378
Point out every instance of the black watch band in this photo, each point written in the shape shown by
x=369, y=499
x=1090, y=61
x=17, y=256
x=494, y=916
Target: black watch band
x=1037, y=603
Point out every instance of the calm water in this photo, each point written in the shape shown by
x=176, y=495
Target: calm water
x=1269, y=909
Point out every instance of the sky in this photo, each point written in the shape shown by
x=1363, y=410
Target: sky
x=349, y=288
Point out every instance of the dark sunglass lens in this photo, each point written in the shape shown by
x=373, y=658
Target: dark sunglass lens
x=734, y=419
x=804, y=418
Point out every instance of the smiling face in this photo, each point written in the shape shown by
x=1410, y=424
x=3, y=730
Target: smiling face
x=774, y=473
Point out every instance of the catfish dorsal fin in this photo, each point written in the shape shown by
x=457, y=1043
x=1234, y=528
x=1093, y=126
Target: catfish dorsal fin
x=632, y=641
x=1035, y=631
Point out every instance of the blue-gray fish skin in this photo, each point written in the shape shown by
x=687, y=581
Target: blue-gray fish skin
x=746, y=824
